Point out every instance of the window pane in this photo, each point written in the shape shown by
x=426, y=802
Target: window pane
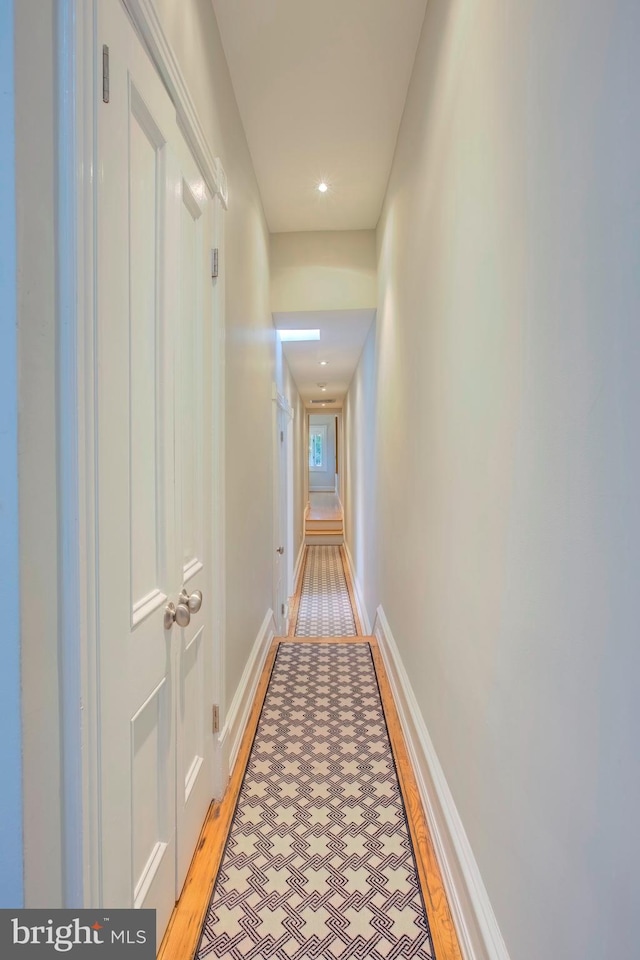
x=316, y=450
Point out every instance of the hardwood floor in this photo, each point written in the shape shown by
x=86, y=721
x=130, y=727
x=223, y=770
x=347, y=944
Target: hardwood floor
x=182, y=937
x=324, y=506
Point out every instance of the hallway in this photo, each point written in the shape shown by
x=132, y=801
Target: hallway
x=325, y=608
x=319, y=860
x=341, y=297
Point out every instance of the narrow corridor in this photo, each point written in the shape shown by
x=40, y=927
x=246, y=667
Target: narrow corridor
x=319, y=860
x=325, y=606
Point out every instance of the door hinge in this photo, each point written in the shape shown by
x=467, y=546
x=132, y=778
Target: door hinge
x=214, y=263
x=282, y=609
x=215, y=718
x=282, y=436
x=105, y=73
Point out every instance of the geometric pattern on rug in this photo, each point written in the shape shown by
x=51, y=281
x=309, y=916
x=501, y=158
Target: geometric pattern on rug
x=325, y=606
x=319, y=863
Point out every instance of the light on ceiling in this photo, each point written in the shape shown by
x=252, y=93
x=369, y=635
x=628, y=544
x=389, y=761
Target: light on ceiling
x=323, y=187
x=299, y=334
x=323, y=363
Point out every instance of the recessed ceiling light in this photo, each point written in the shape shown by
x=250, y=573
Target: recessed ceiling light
x=299, y=334
x=323, y=363
x=323, y=187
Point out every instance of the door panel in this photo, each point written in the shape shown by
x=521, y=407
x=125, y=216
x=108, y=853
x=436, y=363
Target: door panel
x=281, y=559
x=150, y=755
x=191, y=354
x=145, y=152
x=194, y=402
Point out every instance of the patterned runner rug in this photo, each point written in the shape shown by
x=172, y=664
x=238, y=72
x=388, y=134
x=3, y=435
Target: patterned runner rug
x=325, y=606
x=319, y=863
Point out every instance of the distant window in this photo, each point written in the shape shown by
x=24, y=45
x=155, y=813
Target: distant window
x=317, y=448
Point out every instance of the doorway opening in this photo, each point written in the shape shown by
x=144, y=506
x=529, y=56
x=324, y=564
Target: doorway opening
x=324, y=516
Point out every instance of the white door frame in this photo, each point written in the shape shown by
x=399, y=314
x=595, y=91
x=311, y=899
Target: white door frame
x=78, y=96
x=281, y=518
x=12, y=881
x=290, y=548
x=305, y=453
x=340, y=455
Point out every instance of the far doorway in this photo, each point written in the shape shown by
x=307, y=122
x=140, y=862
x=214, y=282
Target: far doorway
x=324, y=522
x=323, y=450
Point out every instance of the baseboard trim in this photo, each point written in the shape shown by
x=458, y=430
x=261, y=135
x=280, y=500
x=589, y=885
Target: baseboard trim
x=298, y=567
x=238, y=713
x=358, y=591
x=476, y=924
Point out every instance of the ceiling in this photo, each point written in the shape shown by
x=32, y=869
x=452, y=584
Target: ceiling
x=321, y=88
x=342, y=337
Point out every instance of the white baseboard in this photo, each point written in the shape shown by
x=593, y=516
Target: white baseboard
x=476, y=924
x=357, y=589
x=296, y=572
x=238, y=713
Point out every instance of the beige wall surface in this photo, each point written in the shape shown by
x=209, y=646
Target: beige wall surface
x=330, y=270
x=193, y=33
x=504, y=379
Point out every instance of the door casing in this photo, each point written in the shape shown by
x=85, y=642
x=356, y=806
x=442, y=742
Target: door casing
x=282, y=511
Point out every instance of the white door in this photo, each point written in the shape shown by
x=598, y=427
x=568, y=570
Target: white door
x=154, y=223
x=281, y=559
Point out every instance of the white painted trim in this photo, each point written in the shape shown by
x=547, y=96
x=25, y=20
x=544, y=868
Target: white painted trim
x=147, y=22
x=282, y=402
x=236, y=720
x=358, y=591
x=218, y=554
x=81, y=849
x=476, y=924
x=298, y=566
x=295, y=576
x=11, y=800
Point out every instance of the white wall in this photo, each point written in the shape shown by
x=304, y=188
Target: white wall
x=504, y=378
x=324, y=479
x=329, y=270
x=11, y=874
